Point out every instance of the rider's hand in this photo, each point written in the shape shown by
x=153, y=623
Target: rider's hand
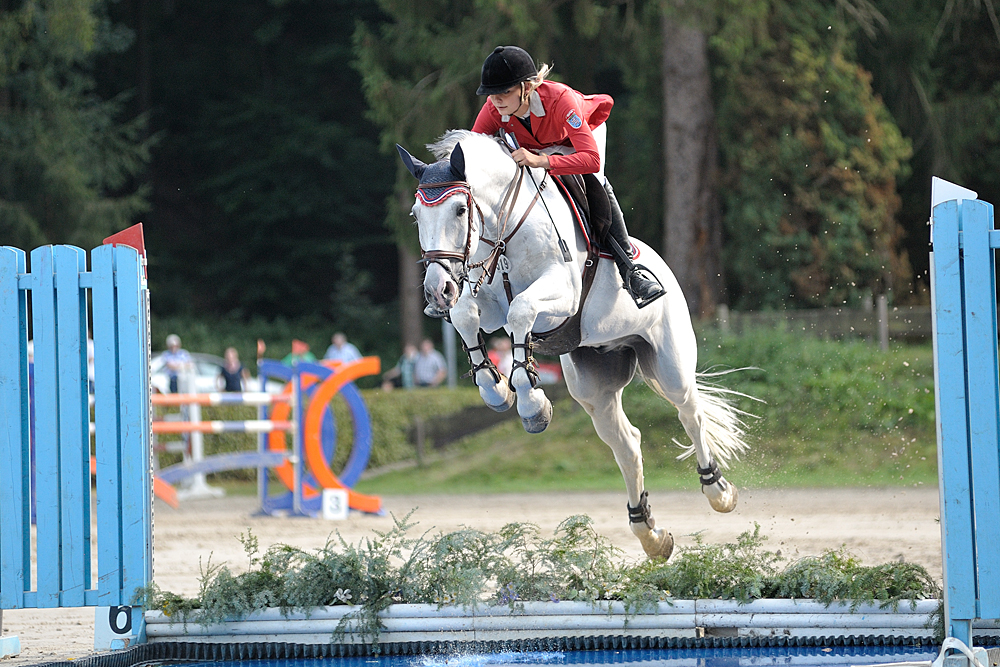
x=525, y=158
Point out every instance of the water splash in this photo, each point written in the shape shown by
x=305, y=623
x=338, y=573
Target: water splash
x=484, y=659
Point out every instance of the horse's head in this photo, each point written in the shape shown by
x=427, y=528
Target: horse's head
x=445, y=224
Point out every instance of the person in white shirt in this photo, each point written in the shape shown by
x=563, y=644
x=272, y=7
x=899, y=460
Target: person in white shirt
x=430, y=368
x=341, y=350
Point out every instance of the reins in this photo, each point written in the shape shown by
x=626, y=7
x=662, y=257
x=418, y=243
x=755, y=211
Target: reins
x=490, y=263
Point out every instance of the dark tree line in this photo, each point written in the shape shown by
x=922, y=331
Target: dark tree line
x=779, y=151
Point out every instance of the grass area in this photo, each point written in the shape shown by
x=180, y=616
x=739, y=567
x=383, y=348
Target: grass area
x=831, y=413
x=834, y=413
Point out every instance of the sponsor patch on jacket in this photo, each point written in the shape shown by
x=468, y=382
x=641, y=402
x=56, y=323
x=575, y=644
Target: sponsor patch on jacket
x=574, y=120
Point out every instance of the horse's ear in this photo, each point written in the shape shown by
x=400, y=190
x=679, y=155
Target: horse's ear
x=412, y=164
x=458, y=163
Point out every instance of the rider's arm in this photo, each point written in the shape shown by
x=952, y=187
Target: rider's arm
x=574, y=114
x=567, y=111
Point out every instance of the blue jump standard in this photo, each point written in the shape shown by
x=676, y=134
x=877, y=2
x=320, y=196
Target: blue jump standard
x=9, y=646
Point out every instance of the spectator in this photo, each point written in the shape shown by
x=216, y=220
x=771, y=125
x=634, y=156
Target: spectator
x=501, y=354
x=341, y=350
x=176, y=360
x=430, y=369
x=300, y=352
x=234, y=374
x=402, y=374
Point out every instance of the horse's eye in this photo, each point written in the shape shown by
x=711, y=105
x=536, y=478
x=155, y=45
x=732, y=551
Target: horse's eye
x=461, y=210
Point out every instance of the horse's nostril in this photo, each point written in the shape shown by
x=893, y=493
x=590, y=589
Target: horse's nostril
x=450, y=289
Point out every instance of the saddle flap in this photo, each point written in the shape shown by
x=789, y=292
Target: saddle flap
x=585, y=194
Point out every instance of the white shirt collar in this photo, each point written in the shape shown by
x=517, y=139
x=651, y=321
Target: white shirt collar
x=535, y=107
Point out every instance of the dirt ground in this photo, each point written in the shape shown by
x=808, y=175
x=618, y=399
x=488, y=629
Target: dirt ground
x=877, y=525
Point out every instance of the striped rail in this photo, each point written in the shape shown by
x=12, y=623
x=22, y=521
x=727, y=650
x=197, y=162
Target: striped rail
x=221, y=398
x=246, y=426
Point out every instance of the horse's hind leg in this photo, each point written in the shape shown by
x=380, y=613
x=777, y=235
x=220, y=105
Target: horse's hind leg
x=707, y=421
x=596, y=381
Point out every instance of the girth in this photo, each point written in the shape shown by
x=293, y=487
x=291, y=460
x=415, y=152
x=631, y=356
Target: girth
x=567, y=336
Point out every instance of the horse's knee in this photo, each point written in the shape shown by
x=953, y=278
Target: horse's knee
x=522, y=313
x=465, y=316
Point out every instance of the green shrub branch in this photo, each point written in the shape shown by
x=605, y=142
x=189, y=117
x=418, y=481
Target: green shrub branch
x=517, y=564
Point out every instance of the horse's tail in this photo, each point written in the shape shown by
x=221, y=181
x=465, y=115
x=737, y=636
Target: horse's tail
x=724, y=424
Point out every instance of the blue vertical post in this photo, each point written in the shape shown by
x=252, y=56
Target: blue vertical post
x=15, y=493
x=984, y=399
x=46, y=397
x=298, y=451
x=952, y=423
x=136, y=489
x=967, y=401
x=108, y=425
x=73, y=425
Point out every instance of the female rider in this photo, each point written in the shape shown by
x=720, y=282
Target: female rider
x=565, y=133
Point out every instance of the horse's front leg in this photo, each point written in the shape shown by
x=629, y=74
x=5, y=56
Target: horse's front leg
x=552, y=293
x=468, y=315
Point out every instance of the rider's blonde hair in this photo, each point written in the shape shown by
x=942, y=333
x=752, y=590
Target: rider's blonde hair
x=531, y=84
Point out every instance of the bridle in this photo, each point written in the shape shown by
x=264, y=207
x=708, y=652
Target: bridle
x=442, y=256
x=499, y=246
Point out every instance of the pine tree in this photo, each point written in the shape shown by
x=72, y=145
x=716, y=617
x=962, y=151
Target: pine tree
x=67, y=159
x=811, y=157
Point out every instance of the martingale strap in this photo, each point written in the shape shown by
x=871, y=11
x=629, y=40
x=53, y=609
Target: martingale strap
x=711, y=474
x=641, y=513
x=499, y=248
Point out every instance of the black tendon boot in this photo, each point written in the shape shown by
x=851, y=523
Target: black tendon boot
x=642, y=285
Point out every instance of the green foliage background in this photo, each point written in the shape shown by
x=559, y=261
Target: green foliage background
x=811, y=159
x=67, y=158
x=254, y=141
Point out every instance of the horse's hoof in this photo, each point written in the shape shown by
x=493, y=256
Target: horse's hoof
x=658, y=544
x=509, y=397
x=722, y=495
x=538, y=423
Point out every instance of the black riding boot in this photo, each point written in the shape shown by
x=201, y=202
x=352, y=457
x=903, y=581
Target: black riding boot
x=642, y=285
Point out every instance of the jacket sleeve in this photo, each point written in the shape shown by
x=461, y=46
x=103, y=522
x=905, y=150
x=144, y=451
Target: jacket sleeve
x=487, y=122
x=586, y=160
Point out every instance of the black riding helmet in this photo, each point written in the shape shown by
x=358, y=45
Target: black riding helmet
x=505, y=67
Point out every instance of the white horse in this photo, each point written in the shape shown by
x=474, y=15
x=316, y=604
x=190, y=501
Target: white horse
x=478, y=221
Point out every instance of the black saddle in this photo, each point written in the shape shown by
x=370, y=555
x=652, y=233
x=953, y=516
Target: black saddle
x=590, y=198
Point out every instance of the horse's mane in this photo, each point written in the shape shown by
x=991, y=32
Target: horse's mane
x=442, y=148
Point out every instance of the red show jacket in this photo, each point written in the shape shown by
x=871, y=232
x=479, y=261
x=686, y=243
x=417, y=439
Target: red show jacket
x=560, y=116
